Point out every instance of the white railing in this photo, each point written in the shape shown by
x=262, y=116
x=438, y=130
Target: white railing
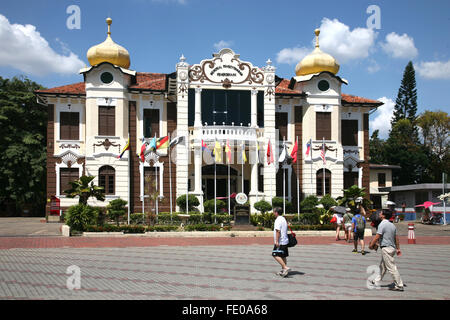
x=222, y=133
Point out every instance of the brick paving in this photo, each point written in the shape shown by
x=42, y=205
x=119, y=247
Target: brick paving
x=197, y=269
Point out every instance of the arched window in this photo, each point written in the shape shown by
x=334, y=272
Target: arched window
x=107, y=176
x=319, y=182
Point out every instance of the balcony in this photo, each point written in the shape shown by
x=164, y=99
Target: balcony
x=224, y=132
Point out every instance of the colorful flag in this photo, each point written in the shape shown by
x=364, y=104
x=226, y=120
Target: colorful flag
x=322, y=153
x=152, y=144
x=176, y=141
x=308, y=147
x=282, y=157
x=244, y=157
x=143, y=147
x=269, y=154
x=162, y=143
x=228, y=151
x=217, y=152
x=257, y=153
x=127, y=147
x=294, y=153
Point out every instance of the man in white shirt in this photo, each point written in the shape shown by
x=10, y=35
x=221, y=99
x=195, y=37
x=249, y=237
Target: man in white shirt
x=280, y=249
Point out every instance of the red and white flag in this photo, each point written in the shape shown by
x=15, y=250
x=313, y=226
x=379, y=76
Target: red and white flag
x=269, y=154
x=294, y=153
x=322, y=153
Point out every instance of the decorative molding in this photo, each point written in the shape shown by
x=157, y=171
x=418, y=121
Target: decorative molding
x=106, y=144
x=239, y=71
x=69, y=146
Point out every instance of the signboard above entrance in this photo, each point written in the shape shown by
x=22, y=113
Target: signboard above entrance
x=227, y=69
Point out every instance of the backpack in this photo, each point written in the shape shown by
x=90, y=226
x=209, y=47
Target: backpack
x=360, y=225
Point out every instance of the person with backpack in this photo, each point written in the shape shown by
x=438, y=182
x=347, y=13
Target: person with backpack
x=280, y=249
x=348, y=217
x=358, y=227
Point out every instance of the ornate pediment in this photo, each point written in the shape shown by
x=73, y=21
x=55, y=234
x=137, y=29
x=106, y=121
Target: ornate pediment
x=69, y=158
x=227, y=69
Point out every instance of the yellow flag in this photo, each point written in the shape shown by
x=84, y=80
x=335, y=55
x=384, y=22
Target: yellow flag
x=244, y=157
x=218, y=152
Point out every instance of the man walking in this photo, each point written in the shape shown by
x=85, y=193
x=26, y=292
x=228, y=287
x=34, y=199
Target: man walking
x=388, y=240
x=280, y=249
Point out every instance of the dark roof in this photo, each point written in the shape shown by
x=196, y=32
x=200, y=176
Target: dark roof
x=383, y=166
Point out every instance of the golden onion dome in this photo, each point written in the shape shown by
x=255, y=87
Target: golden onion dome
x=109, y=51
x=317, y=61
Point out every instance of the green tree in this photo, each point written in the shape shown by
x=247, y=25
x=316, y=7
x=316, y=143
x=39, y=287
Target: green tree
x=23, y=130
x=376, y=148
x=403, y=148
x=82, y=189
x=406, y=102
x=309, y=203
x=351, y=196
x=327, y=201
x=435, y=128
x=116, y=209
x=79, y=216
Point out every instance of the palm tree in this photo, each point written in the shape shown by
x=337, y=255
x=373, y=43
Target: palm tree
x=351, y=197
x=82, y=189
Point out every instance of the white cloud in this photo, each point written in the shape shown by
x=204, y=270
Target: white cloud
x=382, y=118
x=373, y=67
x=434, y=69
x=344, y=44
x=23, y=48
x=400, y=46
x=222, y=44
x=292, y=55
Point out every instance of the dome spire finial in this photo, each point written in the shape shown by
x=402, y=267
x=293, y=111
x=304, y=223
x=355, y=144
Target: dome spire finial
x=108, y=22
x=317, y=32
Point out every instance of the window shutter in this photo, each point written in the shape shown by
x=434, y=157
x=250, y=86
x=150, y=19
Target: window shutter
x=67, y=175
x=151, y=122
x=107, y=179
x=74, y=126
x=106, y=121
x=64, y=126
x=323, y=125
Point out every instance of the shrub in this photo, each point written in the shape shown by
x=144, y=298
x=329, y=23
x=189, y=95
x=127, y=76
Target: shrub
x=202, y=227
x=309, y=218
x=136, y=218
x=312, y=227
x=192, y=202
x=265, y=220
x=162, y=228
x=327, y=201
x=79, y=216
x=278, y=202
x=116, y=209
x=262, y=206
x=209, y=205
x=309, y=203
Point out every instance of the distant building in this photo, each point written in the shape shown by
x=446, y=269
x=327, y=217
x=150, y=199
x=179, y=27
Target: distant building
x=380, y=178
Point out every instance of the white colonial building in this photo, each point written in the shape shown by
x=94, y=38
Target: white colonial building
x=224, y=99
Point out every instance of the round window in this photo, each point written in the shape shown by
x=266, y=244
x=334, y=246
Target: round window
x=106, y=77
x=323, y=85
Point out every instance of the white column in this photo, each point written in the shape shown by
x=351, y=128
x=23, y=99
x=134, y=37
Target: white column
x=182, y=156
x=270, y=131
x=254, y=109
x=198, y=107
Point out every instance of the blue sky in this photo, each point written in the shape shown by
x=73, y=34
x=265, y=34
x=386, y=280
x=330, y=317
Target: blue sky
x=35, y=40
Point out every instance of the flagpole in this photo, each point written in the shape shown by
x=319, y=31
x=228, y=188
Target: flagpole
x=311, y=171
x=257, y=166
x=187, y=180
x=284, y=182
x=298, y=183
x=323, y=163
x=215, y=176
x=129, y=177
x=157, y=193
x=228, y=158
x=242, y=154
x=170, y=179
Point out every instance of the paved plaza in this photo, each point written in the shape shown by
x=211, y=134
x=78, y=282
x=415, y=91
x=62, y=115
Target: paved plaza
x=236, y=271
